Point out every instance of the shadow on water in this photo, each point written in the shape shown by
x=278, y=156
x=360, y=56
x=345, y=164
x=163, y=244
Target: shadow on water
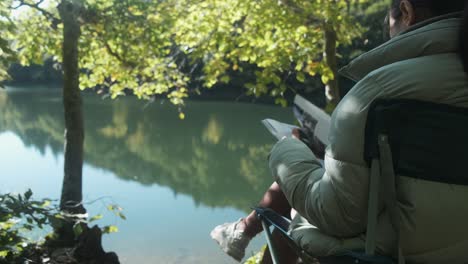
x=217, y=155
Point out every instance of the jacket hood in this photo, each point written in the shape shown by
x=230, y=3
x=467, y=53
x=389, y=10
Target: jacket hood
x=434, y=36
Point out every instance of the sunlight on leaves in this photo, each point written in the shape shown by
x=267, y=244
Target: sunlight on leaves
x=110, y=229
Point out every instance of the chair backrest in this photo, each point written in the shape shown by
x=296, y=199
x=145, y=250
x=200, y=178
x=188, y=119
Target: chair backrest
x=416, y=139
x=428, y=141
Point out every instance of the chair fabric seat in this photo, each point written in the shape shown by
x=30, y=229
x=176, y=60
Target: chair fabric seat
x=348, y=251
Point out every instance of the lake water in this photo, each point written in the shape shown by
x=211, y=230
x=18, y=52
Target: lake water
x=175, y=179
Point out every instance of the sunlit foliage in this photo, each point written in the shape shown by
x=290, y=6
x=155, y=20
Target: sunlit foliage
x=281, y=38
x=153, y=47
x=6, y=35
x=124, y=45
x=257, y=258
x=20, y=213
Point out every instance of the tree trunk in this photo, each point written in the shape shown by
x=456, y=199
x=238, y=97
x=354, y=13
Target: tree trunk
x=71, y=199
x=332, y=91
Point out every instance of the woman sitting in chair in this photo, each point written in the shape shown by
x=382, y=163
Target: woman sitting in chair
x=426, y=59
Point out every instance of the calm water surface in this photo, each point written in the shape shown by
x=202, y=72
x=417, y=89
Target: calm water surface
x=175, y=179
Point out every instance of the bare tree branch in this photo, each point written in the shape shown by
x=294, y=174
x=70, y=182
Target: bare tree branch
x=36, y=6
x=113, y=53
x=22, y=3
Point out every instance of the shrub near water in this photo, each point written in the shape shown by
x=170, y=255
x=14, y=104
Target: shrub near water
x=20, y=215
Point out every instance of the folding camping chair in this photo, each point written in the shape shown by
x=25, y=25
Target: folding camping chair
x=281, y=224
x=402, y=137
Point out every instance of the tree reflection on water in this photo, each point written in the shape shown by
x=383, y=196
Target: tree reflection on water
x=217, y=155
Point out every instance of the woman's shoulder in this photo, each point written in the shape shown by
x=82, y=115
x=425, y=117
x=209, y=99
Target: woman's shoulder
x=431, y=73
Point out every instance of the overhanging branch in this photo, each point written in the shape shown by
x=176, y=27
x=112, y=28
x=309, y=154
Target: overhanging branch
x=36, y=6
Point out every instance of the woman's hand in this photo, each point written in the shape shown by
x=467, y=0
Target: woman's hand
x=317, y=147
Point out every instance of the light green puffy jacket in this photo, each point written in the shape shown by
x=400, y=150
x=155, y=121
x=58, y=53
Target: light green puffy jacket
x=420, y=64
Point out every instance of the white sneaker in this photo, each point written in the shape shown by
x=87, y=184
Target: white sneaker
x=232, y=240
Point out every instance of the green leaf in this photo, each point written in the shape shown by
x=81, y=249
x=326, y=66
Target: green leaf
x=4, y=253
x=110, y=229
x=122, y=216
x=59, y=216
x=28, y=194
x=96, y=217
x=281, y=101
x=250, y=86
x=77, y=229
x=225, y=79
x=325, y=79
x=300, y=77
x=45, y=204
